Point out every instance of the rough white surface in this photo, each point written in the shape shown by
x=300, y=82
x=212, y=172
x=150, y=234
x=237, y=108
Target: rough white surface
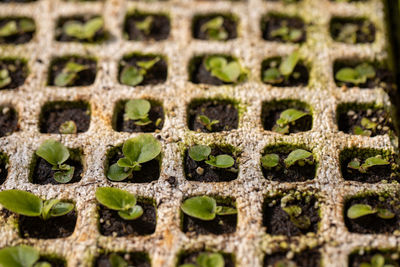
x=249, y=243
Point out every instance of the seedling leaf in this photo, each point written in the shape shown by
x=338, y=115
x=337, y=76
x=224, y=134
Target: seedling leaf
x=385, y=214
x=272, y=75
x=53, y=152
x=131, y=76
x=221, y=161
x=142, y=148
x=223, y=210
x=290, y=115
x=21, y=202
x=116, y=173
x=224, y=71
x=145, y=25
x=137, y=109
x=115, y=199
x=360, y=210
x=296, y=156
x=64, y=176
x=199, y=152
x=61, y=209
x=68, y=127
x=5, y=78
x=19, y=256
x=270, y=161
x=210, y=260
x=202, y=207
x=132, y=213
x=289, y=63
x=117, y=261
x=146, y=65
x=9, y=29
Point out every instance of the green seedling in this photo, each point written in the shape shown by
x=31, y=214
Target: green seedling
x=207, y=122
x=83, y=30
x=366, y=128
x=205, y=208
x=299, y=156
x=206, y=259
x=57, y=154
x=228, y=72
x=27, y=204
x=297, y=217
x=5, y=78
x=202, y=153
x=134, y=75
x=288, y=117
x=276, y=75
x=358, y=75
x=21, y=256
x=145, y=25
x=214, y=28
x=287, y=33
x=138, y=111
x=348, y=31
x=269, y=161
x=137, y=150
x=355, y=164
x=17, y=26
x=378, y=260
x=68, y=127
x=361, y=210
x=121, y=201
x=69, y=74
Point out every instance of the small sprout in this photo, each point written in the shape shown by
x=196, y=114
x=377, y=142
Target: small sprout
x=275, y=75
x=21, y=256
x=121, y=201
x=201, y=152
x=355, y=164
x=269, y=161
x=230, y=72
x=19, y=26
x=145, y=25
x=27, y=204
x=203, y=119
x=299, y=156
x=214, y=28
x=206, y=259
x=361, y=210
x=367, y=126
x=69, y=74
x=205, y=208
x=137, y=150
x=134, y=75
x=9, y=29
x=117, y=261
x=56, y=154
x=296, y=217
x=138, y=111
x=377, y=260
x=83, y=30
x=5, y=78
x=68, y=127
x=358, y=75
x=287, y=117
x=287, y=34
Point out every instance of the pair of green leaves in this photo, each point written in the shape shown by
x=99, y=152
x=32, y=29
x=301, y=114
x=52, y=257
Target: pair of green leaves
x=287, y=117
x=205, y=208
x=378, y=260
x=5, y=78
x=366, y=128
x=275, y=75
x=355, y=164
x=18, y=26
x=297, y=217
x=83, y=30
x=145, y=24
x=228, y=72
x=207, y=122
x=299, y=156
x=214, y=28
x=57, y=154
x=138, y=111
x=69, y=74
x=21, y=256
x=358, y=75
x=25, y=203
x=137, y=150
x=206, y=259
x=121, y=201
x=134, y=75
x=287, y=34
x=361, y=210
x=202, y=153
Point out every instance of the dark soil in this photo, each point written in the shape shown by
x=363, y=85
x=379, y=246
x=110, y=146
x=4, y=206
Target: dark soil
x=84, y=78
x=122, y=125
x=100, y=35
x=350, y=118
x=111, y=222
x=365, y=30
x=294, y=173
x=272, y=23
x=372, y=224
x=271, y=112
x=43, y=173
x=229, y=25
x=374, y=174
x=17, y=70
x=55, y=262
x=157, y=74
x=306, y=258
x=19, y=38
x=159, y=29
x=3, y=168
x=299, y=76
x=57, y=227
x=54, y=115
x=355, y=259
x=191, y=257
x=8, y=121
x=136, y=259
x=277, y=221
x=223, y=111
x=210, y=173
x=149, y=172
x=225, y=224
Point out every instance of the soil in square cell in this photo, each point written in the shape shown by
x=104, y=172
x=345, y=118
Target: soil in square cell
x=280, y=28
x=217, y=27
x=13, y=73
x=145, y=26
x=8, y=121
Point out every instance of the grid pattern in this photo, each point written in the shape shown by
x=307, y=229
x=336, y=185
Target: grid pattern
x=250, y=242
